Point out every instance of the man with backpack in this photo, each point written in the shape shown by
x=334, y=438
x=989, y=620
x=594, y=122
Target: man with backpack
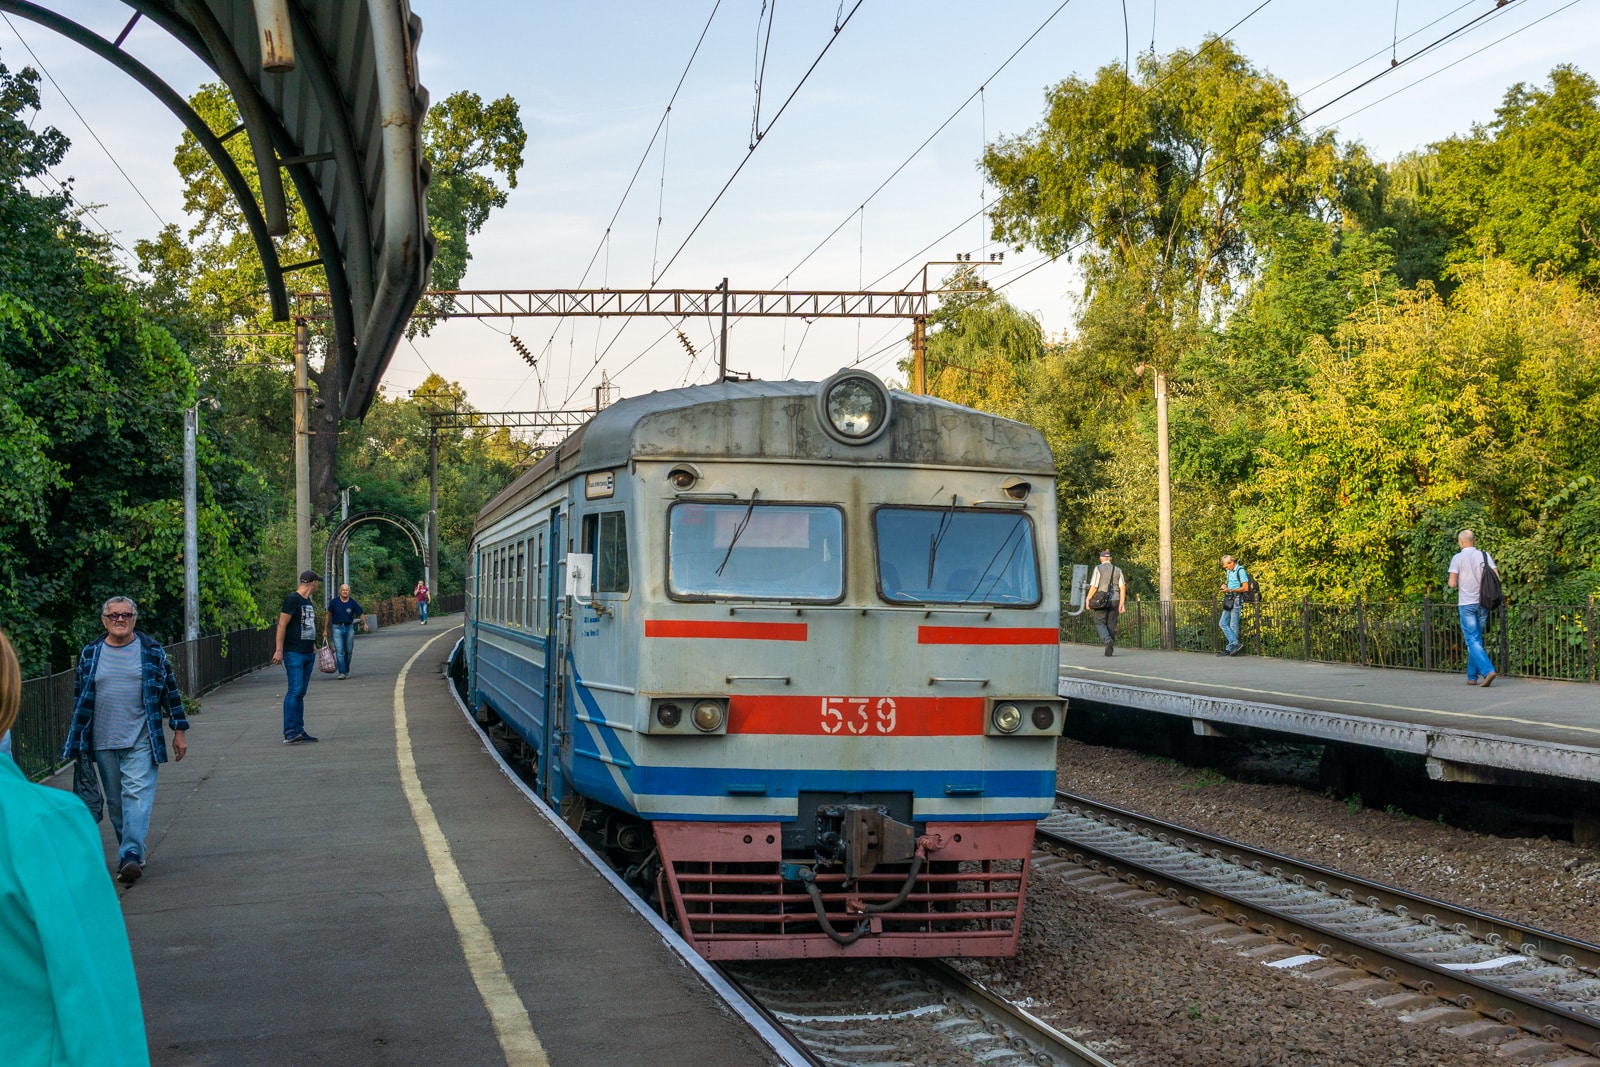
x=1107, y=599
x=1477, y=582
x=1238, y=587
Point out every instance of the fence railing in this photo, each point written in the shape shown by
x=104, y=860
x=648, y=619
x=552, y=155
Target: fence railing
x=1530, y=640
x=46, y=713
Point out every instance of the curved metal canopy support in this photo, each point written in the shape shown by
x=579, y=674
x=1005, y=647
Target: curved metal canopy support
x=328, y=91
x=175, y=103
x=339, y=536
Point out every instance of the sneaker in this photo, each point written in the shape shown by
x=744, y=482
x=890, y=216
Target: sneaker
x=1108, y=650
x=1235, y=650
x=294, y=740
x=1487, y=679
x=129, y=872
x=341, y=677
x=306, y=737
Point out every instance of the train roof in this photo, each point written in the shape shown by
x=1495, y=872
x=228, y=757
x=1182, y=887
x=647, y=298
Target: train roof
x=781, y=422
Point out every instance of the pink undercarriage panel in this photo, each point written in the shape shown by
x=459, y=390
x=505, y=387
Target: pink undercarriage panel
x=732, y=902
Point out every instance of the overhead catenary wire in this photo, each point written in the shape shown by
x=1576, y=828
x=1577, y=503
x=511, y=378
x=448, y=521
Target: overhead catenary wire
x=109, y=154
x=837, y=30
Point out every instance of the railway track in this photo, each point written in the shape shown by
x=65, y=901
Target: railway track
x=1522, y=977
x=916, y=1013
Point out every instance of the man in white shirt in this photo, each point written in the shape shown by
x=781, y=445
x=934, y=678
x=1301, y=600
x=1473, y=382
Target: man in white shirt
x=1466, y=575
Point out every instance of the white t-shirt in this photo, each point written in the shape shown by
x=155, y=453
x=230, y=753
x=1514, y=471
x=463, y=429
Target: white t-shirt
x=1467, y=565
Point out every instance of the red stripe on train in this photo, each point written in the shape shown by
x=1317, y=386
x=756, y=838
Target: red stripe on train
x=736, y=631
x=856, y=716
x=983, y=635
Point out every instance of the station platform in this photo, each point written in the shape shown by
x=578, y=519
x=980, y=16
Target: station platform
x=1517, y=726
x=387, y=896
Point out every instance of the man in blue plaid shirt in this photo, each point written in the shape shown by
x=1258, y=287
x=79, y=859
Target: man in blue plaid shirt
x=123, y=685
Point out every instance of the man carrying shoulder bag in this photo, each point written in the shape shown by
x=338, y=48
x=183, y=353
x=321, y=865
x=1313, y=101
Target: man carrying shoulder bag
x=1107, y=599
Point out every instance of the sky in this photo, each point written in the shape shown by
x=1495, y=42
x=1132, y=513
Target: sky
x=840, y=112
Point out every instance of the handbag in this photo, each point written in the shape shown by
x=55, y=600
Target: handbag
x=1102, y=597
x=86, y=784
x=325, y=661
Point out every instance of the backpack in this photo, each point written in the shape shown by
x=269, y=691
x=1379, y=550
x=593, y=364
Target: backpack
x=1249, y=589
x=1491, y=597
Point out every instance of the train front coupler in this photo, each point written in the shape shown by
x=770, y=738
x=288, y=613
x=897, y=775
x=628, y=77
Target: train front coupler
x=861, y=837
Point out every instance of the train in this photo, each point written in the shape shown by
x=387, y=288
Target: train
x=786, y=653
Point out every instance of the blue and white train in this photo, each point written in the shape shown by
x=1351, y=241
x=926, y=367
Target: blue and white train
x=787, y=652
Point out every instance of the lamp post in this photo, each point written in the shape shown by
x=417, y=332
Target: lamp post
x=344, y=513
x=191, y=539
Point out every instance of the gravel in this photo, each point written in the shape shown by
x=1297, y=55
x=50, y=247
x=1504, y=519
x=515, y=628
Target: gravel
x=1150, y=991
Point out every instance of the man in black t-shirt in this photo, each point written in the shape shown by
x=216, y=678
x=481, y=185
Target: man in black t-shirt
x=297, y=651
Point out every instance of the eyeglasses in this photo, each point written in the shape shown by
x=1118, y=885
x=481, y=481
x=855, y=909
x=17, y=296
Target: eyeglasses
x=119, y=616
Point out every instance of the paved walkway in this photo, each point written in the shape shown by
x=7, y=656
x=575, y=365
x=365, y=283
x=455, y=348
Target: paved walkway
x=298, y=908
x=1532, y=725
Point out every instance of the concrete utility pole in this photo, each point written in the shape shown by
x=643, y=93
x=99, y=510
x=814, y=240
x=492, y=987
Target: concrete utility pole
x=191, y=548
x=919, y=355
x=302, y=450
x=722, y=349
x=1169, y=636
x=344, y=513
x=433, y=512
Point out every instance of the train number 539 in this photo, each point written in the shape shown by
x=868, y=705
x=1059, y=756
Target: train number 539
x=858, y=715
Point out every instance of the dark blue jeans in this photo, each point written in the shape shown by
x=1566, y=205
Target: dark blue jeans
x=1473, y=621
x=299, y=666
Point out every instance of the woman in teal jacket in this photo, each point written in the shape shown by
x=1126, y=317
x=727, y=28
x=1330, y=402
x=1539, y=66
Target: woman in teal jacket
x=68, y=996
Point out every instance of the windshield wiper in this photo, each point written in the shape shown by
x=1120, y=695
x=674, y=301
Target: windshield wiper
x=738, y=531
x=1000, y=573
x=945, y=522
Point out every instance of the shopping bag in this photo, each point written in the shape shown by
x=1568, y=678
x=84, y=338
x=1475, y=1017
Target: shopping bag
x=325, y=661
x=86, y=783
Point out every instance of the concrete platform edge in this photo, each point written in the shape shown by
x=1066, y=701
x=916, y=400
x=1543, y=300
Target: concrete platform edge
x=746, y=1011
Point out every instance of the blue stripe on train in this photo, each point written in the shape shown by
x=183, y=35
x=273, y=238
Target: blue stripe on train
x=720, y=781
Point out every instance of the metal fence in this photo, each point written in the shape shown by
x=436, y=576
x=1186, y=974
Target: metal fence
x=46, y=713
x=1530, y=640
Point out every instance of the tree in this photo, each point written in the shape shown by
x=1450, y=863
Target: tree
x=215, y=270
x=1526, y=187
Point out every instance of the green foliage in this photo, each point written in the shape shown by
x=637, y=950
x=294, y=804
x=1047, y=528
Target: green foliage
x=1526, y=187
x=467, y=143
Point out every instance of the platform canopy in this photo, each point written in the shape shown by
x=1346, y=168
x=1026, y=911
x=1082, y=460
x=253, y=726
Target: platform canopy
x=329, y=94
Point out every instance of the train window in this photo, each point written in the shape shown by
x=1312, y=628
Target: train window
x=755, y=551
x=606, y=536
x=956, y=556
x=539, y=587
x=522, y=581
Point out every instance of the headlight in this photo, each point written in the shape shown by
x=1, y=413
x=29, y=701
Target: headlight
x=1044, y=716
x=707, y=715
x=669, y=715
x=1007, y=717
x=855, y=406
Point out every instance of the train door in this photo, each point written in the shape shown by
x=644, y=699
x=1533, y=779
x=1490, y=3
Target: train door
x=552, y=780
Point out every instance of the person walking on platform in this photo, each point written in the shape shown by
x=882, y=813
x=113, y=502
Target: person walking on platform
x=1107, y=599
x=1236, y=583
x=340, y=622
x=71, y=996
x=421, y=593
x=297, y=651
x=1466, y=577
x=121, y=688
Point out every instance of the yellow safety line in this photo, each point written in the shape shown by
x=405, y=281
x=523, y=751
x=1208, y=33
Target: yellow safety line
x=1338, y=700
x=512, y=1026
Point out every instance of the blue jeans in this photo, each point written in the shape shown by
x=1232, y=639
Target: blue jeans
x=344, y=638
x=422, y=610
x=1230, y=624
x=298, y=665
x=128, y=780
x=1473, y=621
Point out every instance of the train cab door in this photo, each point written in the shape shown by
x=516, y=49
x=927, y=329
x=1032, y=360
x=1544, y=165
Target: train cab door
x=558, y=632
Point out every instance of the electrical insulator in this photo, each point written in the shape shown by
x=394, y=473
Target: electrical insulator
x=683, y=340
x=522, y=350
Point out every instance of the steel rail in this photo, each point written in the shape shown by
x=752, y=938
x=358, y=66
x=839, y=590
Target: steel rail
x=1550, y=1021
x=1044, y=1039
x=770, y=1016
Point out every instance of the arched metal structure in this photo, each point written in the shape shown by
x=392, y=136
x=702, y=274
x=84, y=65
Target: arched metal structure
x=328, y=91
x=340, y=536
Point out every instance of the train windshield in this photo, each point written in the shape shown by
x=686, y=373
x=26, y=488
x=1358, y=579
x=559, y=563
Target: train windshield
x=956, y=556
x=756, y=551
